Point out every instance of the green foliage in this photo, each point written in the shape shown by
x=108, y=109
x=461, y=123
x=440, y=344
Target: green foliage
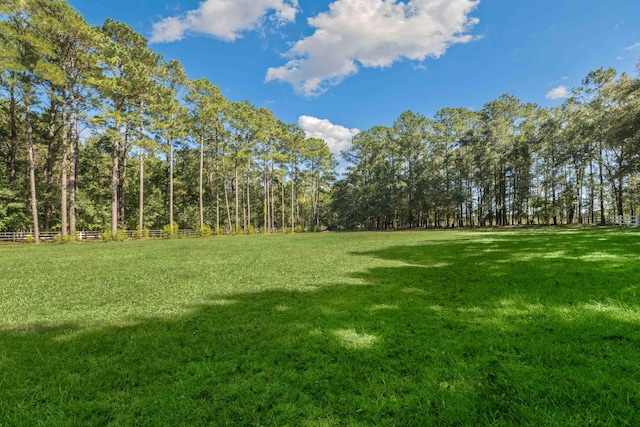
x=220, y=231
x=119, y=236
x=12, y=211
x=170, y=231
x=139, y=234
x=250, y=230
x=299, y=229
x=58, y=238
x=204, y=231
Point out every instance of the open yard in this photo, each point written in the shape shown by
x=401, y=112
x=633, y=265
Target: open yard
x=533, y=327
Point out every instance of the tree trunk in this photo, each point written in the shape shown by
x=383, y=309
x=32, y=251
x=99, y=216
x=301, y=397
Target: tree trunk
x=217, y=187
x=51, y=158
x=171, y=183
x=226, y=197
x=293, y=219
x=273, y=211
x=115, y=182
x=236, y=194
x=601, y=173
x=32, y=175
x=265, y=205
x=200, y=171
x=141, y=172
x=248, y=192
x=13, y=149
x=64, y=229
x=209, y=185
x=592, y=190
x=122, y=179
x=73, y=162
x=282, y=202
x=619, y=198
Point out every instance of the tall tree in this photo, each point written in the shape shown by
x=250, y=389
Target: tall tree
x=590, y=96
x=241, y=118
x=24, y=58
x=74, y=56
x=170, y=116
x=207, y=106
x=321, y=166
x=120, y=47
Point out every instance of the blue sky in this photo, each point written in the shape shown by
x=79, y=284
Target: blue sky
x=336, y=67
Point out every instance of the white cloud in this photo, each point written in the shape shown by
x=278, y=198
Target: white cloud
x=632, y=46
x=224, y=19
x=559, y=92
x=372, y=33
x=337, y=137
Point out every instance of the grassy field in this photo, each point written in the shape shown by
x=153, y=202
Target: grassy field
x=528, y=327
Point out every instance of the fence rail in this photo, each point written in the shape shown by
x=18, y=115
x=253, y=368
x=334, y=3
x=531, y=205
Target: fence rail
x=625, y=220
x=25, y=236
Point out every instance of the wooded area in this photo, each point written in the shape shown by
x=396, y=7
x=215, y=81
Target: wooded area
x=99, y=132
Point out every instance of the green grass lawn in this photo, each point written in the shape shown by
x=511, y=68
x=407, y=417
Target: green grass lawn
x=528, y=327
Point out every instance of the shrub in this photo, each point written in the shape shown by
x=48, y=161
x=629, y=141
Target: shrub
x=170, y=231
x=204, y=231
x=220, y=231
x=120, y=236
x=139, y=234
x=299, y=229
x=251, y=230
x=59, y=239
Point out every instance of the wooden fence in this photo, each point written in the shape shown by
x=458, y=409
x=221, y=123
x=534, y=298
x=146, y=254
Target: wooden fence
x=25, y=236
x=625, y=220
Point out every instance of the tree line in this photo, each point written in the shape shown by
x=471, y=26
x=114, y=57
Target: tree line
x=99, y=132
x=164, y=149
x=509, y=163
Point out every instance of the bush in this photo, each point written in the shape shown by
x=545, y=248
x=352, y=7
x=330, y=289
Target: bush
x=170, y=231
x=251, y=230
x=59, y=239
x=299, y=229
x=220, y=231
x=204, y=231
x=287, y=230
x=139, y=234
x=120, y=236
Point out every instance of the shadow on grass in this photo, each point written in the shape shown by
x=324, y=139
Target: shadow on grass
x=495, y=328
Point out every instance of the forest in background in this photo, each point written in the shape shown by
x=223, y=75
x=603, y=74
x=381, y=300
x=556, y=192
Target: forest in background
x=99, y=132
